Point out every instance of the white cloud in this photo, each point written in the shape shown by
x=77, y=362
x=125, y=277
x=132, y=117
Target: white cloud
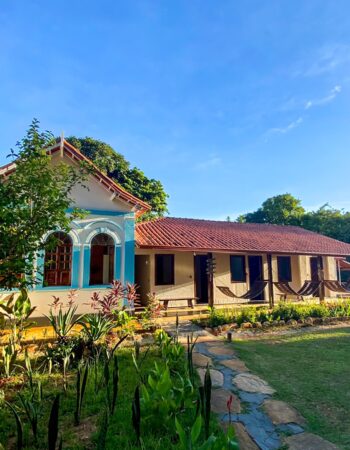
x=324, y=100
x=212, y=161
x=326, y=59
x=287, y=128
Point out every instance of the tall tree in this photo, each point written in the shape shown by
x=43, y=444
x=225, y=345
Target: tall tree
x=130, y=178
x=282, y=209
x=33, y=201
x=287, y=210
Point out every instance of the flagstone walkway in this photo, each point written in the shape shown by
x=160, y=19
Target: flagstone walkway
x=260, y=421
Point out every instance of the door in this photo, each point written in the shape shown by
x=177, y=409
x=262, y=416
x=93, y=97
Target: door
x=142, y=277
x=256, y=273
x=201, y=278
x=315, y=276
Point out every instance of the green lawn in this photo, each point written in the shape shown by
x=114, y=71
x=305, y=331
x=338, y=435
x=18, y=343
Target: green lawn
x=311, y=371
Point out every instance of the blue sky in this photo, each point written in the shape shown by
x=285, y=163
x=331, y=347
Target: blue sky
x=226, y=102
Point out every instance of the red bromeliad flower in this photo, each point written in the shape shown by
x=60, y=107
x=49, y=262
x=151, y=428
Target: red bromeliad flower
x=56, y=302
x=72, y=297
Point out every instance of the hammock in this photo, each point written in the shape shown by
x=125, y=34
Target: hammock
x=254, y=291
x=337, y=286
x=308, y=288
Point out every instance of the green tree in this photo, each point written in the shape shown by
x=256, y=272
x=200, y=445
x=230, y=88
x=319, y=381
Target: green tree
x=118, y=168
x=282, y=209
x=328, y=221
x=33, y=201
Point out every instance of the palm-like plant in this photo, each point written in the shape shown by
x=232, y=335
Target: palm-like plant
x=63, y=321
x=95, y=327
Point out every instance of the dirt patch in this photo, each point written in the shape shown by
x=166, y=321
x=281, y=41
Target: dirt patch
x=85, y=430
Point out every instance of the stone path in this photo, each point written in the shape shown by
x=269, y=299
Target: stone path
x=260, y=422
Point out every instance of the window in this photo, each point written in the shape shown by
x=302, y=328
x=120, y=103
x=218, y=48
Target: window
x=58, y=260
x=164, y=269
x=102, y=259
x=284, y=268
x=237, y=266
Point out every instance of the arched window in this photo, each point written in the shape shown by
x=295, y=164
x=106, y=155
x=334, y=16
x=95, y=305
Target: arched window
x=102, y=259
x=58, y=260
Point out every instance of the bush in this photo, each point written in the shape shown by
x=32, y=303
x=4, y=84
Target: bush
x=283, y=311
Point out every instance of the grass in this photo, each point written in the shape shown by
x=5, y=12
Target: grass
x=310, y=371
x=120, y=431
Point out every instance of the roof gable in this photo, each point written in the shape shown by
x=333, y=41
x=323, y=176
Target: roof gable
x=115, y=191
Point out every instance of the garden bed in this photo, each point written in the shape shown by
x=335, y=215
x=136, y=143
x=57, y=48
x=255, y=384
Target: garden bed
x=284, y=314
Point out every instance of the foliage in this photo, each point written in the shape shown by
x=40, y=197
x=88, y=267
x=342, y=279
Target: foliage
x=132, y=179
x=33, y=202
x=53, y=424
x=101, y=428
x=32, y=406
x=189, y=438
x=81, y=386
x=172, y=351
x=163, y=397
x=17, y=310
x=282, y=209
x=63, y=318
x=19, y=426
x=151, y=312
x=283, y=311
x=95, y=327
x=287, y=210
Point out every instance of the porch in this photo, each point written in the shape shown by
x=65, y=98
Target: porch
x=178, y=276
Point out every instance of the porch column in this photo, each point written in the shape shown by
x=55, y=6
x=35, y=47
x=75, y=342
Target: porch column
x=210, y=272
x=270, y=280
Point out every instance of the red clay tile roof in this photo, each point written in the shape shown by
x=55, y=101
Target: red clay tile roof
x=170, y=233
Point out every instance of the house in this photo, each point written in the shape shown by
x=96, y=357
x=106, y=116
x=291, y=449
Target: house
x=173, y=256
x=99, y=247
x=177, y=259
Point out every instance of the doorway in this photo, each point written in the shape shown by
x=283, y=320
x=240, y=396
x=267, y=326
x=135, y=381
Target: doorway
x=102, y=260
x=315, y=276
x=256, y=273
x=142, y=277
x=201, y=278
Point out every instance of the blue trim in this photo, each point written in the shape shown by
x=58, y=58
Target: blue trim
x=117, y=262
x=129, y=275
x=40, y=272
x=105, y=212
x=75, y=266
x=87, y=259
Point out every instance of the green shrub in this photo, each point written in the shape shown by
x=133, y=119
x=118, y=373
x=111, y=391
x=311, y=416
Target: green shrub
x=283, y=311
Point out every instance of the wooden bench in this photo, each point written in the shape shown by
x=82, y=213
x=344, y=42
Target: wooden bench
x=190, y=301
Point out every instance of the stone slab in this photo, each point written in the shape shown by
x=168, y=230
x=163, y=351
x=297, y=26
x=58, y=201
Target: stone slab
x=252, y=383
x=281, y=413
x=201, y=360
x=244, y=440
x=221, y=350
x=219, y=398
x=308, y=441
x=217, y=378
x=235, y=364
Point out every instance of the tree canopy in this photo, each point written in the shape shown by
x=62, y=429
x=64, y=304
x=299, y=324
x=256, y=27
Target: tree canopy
x=130, y=178
x=33, y=201
x=285, y=209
